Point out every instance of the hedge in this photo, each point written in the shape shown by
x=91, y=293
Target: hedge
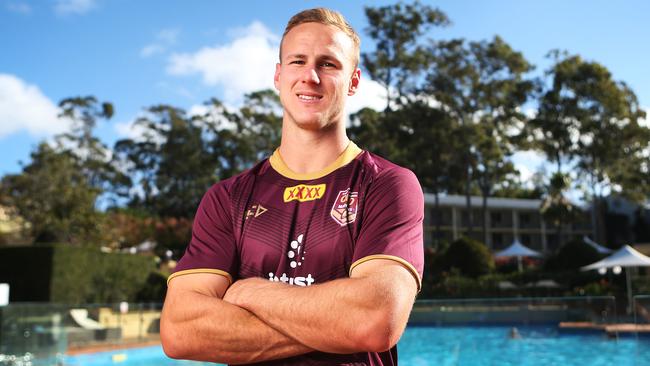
x=73, y=275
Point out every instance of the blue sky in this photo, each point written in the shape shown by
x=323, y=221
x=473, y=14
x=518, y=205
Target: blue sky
x=139, y=53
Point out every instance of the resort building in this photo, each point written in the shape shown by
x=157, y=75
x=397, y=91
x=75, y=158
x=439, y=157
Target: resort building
x=507, y=219
x=11, y=225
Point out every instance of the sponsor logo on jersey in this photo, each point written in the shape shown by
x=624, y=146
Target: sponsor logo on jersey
x=303, y=193
x=345, y=206
x=297, y=281
x=297, y=254
x=255, y=211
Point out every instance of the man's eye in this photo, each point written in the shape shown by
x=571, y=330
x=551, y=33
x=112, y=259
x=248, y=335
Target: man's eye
x=328, y=64
x=297, y=62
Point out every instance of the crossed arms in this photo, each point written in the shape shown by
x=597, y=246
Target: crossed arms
x=257, y=320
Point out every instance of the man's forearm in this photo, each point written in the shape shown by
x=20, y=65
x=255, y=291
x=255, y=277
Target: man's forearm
x=341, y=316
x=199, y=327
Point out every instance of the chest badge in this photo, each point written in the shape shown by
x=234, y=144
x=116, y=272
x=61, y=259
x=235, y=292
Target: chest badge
x=344, y=210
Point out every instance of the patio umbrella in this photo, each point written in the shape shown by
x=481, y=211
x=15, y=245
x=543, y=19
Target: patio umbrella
x=599, y=248
x=516, y=249
x=626, y=257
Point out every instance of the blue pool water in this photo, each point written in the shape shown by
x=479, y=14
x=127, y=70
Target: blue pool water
x=458, y=346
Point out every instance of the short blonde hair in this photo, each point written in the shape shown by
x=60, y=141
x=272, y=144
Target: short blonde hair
x=326, y=17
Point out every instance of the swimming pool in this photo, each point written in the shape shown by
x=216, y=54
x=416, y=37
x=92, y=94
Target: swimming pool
x=459, y=346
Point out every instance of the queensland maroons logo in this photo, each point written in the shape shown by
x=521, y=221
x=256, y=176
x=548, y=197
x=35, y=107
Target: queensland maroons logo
x=345, y=206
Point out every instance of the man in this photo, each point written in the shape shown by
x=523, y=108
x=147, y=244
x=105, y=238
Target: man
x=314, y=256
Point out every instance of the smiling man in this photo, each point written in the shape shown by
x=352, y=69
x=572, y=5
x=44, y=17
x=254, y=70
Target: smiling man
x=315, y=255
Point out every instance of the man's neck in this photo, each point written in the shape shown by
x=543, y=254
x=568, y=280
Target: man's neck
x=306, y=151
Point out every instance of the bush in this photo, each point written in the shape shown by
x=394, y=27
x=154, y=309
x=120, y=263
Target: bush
x=470, y=257
x=456, y=286
x=73, y=275
x=154, y=289
x=571, y=256
x=172, y=234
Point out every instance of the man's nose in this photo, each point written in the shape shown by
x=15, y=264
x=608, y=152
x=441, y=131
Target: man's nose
x=310, y=75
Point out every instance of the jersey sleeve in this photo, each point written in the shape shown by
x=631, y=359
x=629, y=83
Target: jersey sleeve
x=212, y=248
x=392, y=221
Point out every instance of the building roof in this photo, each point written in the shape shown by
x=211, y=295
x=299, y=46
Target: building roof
x=476, y=201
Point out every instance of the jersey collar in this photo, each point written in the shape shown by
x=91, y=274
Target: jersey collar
x=350, y=152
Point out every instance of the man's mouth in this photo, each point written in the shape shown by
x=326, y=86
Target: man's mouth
x=309, y=97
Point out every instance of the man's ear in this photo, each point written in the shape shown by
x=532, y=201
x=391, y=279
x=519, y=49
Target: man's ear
x=276, y=76
x=354, y=82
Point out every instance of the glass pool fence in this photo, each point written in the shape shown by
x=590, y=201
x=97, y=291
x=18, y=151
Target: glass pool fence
x=45, y=334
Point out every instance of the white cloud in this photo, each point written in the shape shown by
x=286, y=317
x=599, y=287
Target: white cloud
x=19, y=7
x=164, y=39
x=168, y=36
x=369, y=94
x=129, y=130
x=67, y=7
x=528, y=162
x=645, y=122
x=24, y=107
x=151, y=49
x=198, y=110
x=245, y=64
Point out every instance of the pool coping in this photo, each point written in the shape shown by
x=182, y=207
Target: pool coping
x=81, y=350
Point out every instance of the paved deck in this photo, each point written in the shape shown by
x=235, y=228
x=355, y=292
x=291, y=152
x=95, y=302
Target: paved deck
x=99, y=347
x=610, y=329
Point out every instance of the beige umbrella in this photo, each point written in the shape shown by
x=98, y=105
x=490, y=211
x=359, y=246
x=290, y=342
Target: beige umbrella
x=516, y=249
x=626, y=257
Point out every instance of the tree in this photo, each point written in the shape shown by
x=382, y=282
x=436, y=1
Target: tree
x=556, y=209
x=55, y=198
x=399, y=55
x=589, y=120
x=93, y=155
x=555, y=128
x=240, y=139
x=415, y=135
x=173, y=161
x=178, y=156
x=482, y=85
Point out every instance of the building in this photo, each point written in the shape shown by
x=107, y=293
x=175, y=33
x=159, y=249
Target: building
x=11, y=226
x=507, y=219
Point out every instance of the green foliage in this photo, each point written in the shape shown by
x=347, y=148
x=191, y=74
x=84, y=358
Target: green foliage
x=398, y=31
x=73, y=275
x=179, y=156
x=126, y=228
x=470, y=257
x=92, y=155
x=456, y=286
x=590, y=122
x=173, y=234
x=54, y=197
x=572, y=256
x=154, y=289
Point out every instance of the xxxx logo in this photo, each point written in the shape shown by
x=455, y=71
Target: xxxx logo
x=304, y=192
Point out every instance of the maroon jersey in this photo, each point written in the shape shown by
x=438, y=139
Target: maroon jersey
x=305, y=229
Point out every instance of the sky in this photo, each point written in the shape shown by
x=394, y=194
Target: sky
x=136, y=54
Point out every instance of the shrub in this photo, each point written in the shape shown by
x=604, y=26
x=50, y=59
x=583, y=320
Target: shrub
x=73, y=275
x=470, y=257
x=154, y=289
x=571, y=256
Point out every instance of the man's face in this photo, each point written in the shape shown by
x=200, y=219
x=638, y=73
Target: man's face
x=315, y=75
